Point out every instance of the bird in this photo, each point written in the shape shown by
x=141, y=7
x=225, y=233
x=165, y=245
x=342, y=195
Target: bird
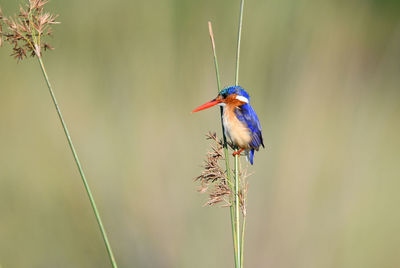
x=240, y=121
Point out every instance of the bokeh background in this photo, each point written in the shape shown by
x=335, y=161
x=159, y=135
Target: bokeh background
x=324, y=79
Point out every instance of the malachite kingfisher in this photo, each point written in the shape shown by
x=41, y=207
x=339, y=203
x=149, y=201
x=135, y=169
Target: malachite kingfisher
x=240, y=121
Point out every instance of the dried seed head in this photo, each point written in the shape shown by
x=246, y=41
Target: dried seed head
x=26, y=30
x=213, y=178
x=220, y=193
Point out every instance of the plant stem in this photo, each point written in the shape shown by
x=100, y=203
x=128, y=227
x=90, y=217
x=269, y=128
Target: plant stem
x=237, y=210
x=210, y=31
x=237, y=207
x=238, y=43
x=78, y=164
x=225, y=144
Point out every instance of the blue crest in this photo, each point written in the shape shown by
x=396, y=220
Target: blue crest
x=234, y=90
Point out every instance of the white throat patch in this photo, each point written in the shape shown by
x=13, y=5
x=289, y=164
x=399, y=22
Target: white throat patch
x=243, y=99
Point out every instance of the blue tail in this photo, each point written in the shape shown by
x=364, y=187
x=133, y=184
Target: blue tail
x=250, y=156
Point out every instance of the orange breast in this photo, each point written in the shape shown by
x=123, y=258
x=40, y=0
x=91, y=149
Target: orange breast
x=235, y=130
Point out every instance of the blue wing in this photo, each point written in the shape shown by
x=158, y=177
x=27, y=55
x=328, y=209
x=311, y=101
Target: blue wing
x=247, y=115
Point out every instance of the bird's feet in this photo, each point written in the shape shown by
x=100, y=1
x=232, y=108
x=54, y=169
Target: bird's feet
x=237, y=152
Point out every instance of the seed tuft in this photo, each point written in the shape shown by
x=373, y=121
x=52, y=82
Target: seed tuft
x=25, y=30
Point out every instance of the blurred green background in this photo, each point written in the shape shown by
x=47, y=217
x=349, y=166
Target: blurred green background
x=324, y=79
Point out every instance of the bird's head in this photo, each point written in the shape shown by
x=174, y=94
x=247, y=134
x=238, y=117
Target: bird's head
x=235, y=96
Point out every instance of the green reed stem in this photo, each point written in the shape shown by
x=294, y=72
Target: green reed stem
x=225, y=144
x=237, y=206
x=238, y=43
x=78, y=164
x=237, y=210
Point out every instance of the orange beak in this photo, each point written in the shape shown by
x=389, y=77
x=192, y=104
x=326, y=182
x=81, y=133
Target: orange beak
x=207, y=105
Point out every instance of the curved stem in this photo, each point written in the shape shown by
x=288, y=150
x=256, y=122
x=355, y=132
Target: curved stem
x=78, y=164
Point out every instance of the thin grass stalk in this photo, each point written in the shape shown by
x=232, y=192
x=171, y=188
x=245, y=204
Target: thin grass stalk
x=237, y=210
x=78, y=164
x=225, y=145
x=24, y=34
x=238, y=43
x=236, y=167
